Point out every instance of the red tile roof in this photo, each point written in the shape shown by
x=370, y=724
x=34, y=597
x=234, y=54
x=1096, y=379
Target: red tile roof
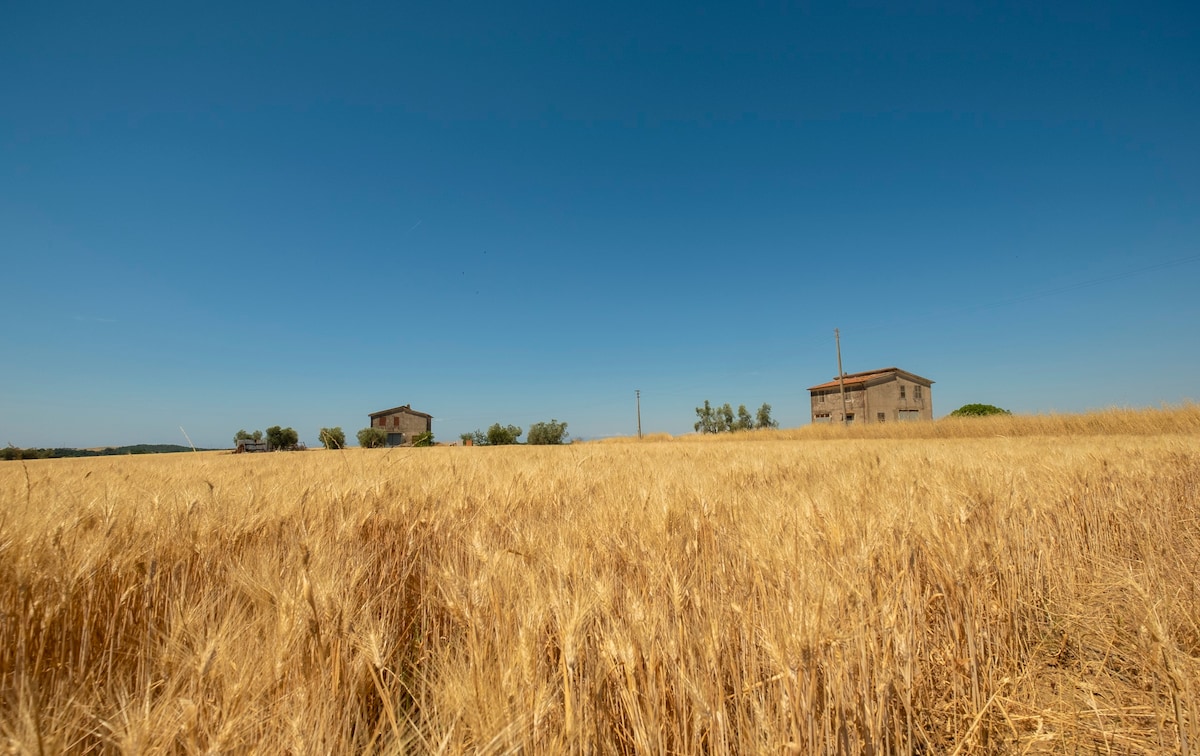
x=406, y=408
x=857, y=379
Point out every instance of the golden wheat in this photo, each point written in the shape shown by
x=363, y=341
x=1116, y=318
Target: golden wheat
x=1011, y=585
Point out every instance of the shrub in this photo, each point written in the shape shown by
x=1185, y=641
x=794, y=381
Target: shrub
x=978, y=410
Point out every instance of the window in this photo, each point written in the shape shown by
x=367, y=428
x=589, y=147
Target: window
x=902, y=390
x=849, y=417
x=880, y=417
x=916, y=392
x=821, y=418
x=821, y=397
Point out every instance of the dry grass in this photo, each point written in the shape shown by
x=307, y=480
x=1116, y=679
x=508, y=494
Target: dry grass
x=1034, y=589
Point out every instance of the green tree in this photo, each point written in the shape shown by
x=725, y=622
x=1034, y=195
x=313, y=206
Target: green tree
x=714, y=419
x=708, y=419
x=744, y=420
x=424, y=439
x=978, y=410
x=544, y=434
x=725, y=418
x=763, y=420
x=284, y=439
x=332, y=438
x=372, y=438
x=498, y=435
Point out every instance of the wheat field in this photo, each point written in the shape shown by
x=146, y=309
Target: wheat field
x=1008, y=585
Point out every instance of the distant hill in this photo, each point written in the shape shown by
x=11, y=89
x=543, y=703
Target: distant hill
x=13, y=452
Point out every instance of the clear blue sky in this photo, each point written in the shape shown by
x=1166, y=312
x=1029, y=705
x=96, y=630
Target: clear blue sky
x=237, y=215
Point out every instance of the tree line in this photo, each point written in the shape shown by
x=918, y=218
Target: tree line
x=723, y=420
x=15, y=452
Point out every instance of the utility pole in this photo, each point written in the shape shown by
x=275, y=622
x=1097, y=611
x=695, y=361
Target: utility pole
x=841, y=376
x=638, y=393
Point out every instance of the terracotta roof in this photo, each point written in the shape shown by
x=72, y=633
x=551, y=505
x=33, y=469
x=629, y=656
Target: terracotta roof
x=858, y=379
x=406, y=409
x=848, y=380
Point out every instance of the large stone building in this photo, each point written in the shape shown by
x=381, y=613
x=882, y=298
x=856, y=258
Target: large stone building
x=402, y=424
x=876, y=396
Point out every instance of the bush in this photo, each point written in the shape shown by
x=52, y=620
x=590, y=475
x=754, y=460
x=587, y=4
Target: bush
x=332, y=438
x=424, y=439
x=978, y=410
x=545, y=434
x=372, y=438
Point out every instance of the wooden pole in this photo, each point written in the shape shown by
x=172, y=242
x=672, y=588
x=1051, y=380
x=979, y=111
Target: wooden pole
x=841, y=376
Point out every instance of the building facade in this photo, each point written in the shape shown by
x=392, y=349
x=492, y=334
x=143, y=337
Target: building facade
x=875, y=396
x=402, y=424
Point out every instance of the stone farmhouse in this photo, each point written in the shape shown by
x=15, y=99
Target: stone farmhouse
x=402, y=424
x=876, y=396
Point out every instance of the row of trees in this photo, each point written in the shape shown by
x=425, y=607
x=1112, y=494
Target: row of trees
x=540, y=434
x=722, y=420
x=287, y=439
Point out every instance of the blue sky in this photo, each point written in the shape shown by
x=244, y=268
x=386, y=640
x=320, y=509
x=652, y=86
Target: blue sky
x=232, y=215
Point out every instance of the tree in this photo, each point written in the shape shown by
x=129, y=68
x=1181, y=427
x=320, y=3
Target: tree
x=978, y=410
x=332, y=438
x=545, y=434
x=725, y=418
x=424, y=439
x=372, y=438
x=242, y=435
x=764, y=418
x=282, y=438
x=708, y=419
x=714, y=419
x=744, y=421
x=502, y=436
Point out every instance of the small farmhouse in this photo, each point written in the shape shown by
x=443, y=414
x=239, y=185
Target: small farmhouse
x=876, y=396
x=402, y=424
